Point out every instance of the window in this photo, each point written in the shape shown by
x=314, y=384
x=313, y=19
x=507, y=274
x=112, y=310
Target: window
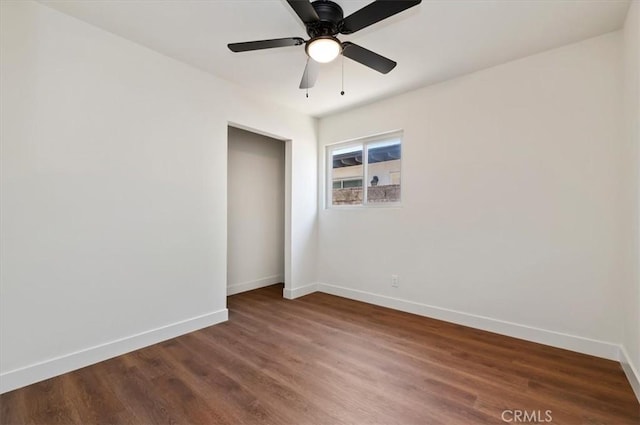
x=375, y=160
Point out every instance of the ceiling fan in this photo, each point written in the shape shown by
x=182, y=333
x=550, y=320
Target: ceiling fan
x=323, y=20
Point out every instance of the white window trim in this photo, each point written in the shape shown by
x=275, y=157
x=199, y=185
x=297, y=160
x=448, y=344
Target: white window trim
x=364, y=141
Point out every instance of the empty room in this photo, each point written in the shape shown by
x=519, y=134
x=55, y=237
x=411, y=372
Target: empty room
x=320, y=212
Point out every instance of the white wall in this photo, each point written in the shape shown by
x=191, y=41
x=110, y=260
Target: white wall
x=511, y=206
x=631, y=87
x=255, y=205
x=114, y=165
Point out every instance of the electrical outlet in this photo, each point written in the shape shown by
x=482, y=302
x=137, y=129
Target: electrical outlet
x=394, y=280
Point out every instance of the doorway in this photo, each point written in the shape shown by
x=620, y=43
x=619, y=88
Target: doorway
x=256, y=168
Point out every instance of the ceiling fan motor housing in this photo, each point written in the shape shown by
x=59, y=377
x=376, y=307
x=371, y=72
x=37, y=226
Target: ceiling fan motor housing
x=330, y=15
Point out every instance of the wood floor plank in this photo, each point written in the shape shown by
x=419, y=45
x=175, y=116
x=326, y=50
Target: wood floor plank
x=322, y=359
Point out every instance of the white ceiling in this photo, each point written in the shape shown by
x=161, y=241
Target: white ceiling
x=432, y=42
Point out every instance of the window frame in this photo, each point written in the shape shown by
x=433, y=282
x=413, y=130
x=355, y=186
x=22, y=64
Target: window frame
x=364, y=142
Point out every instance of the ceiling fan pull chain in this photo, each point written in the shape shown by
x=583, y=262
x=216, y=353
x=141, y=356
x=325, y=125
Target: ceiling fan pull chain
x=342, y=91
x=306, y=76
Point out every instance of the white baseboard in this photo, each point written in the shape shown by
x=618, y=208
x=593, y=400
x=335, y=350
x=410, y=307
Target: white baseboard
x=632, y=373
x=237, y=288
x=27, y=375
x=555, y=339
x=294, y=293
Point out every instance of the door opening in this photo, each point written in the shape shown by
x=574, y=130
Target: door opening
x=256, y=195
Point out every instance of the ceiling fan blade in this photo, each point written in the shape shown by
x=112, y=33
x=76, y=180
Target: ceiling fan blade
x=374, y=12
x=265, y=44
x=310, y=74
x=304, y=10
x=367, y=57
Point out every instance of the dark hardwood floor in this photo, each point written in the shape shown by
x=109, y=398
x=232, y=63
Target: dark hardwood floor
x=322, y=359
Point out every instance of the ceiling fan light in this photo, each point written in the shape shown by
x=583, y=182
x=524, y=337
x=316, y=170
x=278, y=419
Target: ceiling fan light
x=323, y=49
